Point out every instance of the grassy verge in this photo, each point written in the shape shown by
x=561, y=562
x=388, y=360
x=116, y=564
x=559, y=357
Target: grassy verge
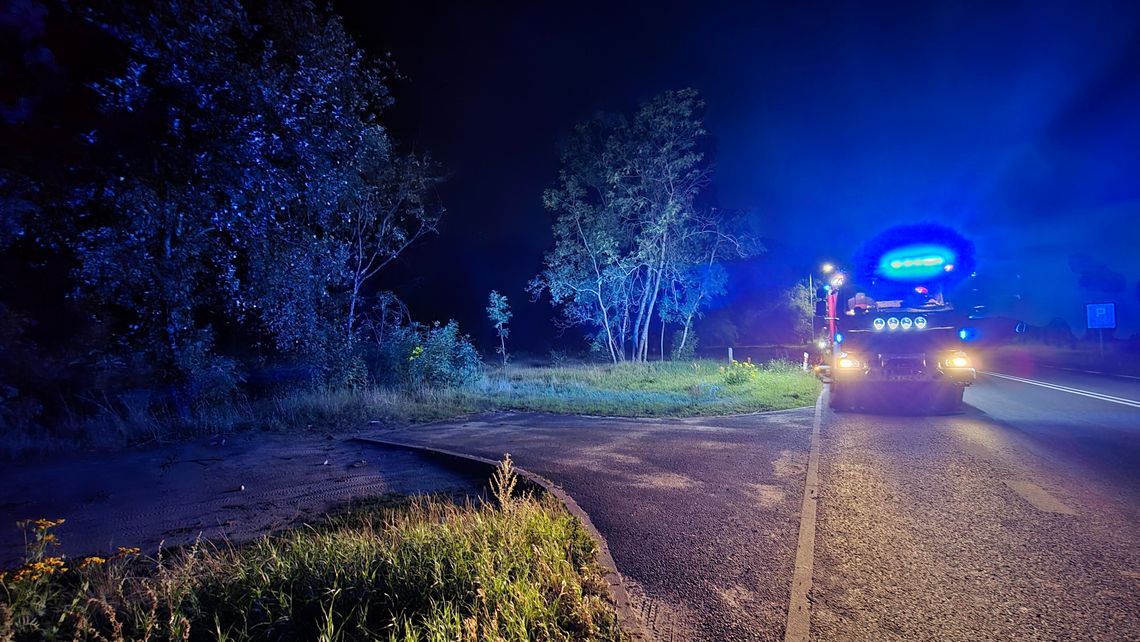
x=674, y=389
x=667, y=389
x=663, y=389
x=426, y=570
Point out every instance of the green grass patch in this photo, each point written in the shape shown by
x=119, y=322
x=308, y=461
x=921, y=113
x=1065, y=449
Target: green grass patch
x=664, y=389
x=656, y=389
x=522, y=569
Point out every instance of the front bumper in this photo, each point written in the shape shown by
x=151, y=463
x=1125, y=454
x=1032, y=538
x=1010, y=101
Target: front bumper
x=957, y=376
x=962, y=376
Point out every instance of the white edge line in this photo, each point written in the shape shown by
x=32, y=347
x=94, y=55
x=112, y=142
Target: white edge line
x=1076, y=391
x=798, y=628
x=1095, y=372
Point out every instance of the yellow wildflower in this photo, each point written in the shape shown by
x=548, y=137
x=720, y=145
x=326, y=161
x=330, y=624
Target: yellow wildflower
x=94, y=560
x=44, y=524
x=35, y=570
x=125, y=551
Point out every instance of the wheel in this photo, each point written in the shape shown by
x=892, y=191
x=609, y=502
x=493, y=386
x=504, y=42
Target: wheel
x=949, y=399
x=838, y=396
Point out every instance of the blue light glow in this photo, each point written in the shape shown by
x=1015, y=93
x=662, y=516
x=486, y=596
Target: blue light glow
x=916, y=262
x=967, y=334
x=839, y=337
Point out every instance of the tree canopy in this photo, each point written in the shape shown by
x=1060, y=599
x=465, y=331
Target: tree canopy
x=632, y=244
x=228, y=183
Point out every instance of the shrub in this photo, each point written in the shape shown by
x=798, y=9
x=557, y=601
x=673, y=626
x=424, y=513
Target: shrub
x=415, y=355
x=738, y=372
x=447, y=358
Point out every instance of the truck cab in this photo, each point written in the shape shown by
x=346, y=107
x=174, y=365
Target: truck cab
x=896, y=353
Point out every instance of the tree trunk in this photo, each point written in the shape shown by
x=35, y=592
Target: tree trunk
x=639, y=322
x=685, y=332
x=644, y=356
x=606, y=322
x=352, y=306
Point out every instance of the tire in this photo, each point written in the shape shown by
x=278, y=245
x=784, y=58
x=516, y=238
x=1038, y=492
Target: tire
x=838, y=396
x=949, y=399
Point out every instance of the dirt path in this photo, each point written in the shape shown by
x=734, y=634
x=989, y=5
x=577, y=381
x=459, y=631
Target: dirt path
x=238, y=488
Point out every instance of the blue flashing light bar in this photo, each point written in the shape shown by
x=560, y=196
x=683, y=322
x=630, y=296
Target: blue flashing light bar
x=918, y=262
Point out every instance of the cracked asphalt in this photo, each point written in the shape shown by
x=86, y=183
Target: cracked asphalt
x=1017, y=519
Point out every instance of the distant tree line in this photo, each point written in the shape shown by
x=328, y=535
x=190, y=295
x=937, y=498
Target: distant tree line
x=634, y=249
x=185, y=185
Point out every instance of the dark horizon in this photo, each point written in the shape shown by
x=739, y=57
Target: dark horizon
x=1014, y=125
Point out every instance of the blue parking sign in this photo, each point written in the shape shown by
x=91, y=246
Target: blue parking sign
x=1101, y=315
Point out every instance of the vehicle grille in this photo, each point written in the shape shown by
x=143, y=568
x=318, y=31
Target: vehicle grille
x=910, y=364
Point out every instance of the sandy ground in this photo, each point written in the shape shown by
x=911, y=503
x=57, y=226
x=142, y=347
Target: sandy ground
x=238, y=488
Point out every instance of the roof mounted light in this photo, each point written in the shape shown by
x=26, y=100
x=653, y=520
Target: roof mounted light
x=879, y=324
x=920, y=323
x=893, y=323
x=906, y=323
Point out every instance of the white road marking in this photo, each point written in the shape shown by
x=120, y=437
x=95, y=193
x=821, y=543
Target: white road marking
x=799, y=608
x=1095, y=372
x=1132, y=403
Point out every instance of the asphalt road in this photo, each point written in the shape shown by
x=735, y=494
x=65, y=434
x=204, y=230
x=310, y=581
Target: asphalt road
x=702, y=516
x=1017, y=519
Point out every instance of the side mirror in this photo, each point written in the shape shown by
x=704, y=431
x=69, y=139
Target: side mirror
x=1021, y=327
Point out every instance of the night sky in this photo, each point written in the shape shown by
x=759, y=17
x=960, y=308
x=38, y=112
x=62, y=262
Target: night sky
x=1014, y=122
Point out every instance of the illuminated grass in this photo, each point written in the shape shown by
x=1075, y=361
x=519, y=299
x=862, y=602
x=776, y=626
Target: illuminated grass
x=425, y=570
x=650, y=389
x=669, y=389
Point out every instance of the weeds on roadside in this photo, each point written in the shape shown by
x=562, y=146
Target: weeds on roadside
x=738, y=372
x=426, y=570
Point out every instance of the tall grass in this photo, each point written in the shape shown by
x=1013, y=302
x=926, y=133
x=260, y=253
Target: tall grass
x=427, y=570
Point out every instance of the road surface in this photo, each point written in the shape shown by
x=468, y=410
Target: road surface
x=1017, y=519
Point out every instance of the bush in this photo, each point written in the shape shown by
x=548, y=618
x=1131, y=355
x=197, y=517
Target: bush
x=416, y=355
x=738, y=372
x=447, y=358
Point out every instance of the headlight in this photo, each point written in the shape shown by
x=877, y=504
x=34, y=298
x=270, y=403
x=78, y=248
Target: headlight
x=957, y=361
x=848, y=362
